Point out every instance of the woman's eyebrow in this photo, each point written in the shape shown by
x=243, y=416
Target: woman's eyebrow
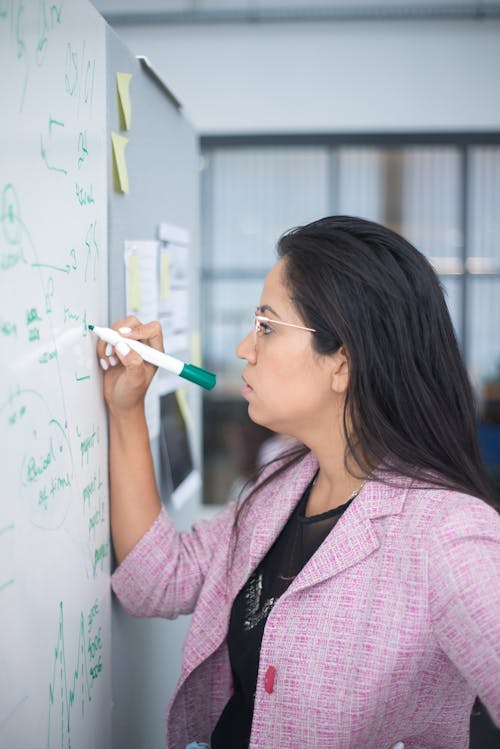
x=267, y=308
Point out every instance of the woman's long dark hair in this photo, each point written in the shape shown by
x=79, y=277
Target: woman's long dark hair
x=409, y=404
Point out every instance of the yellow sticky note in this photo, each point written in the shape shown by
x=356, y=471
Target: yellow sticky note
x=125, y=105
x=121, y=176
x=182, y=402
x=134, y=283
x=196, y=348
x=164, y=274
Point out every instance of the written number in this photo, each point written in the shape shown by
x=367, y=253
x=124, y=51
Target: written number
x=80, y=74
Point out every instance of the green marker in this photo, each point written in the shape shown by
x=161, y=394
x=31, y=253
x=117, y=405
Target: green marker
x=199, y=376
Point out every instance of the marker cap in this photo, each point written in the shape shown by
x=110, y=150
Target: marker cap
x=199, y=376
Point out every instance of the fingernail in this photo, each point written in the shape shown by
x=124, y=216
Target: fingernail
x=113, y=360
x=122, y=348
x=124, y=331
x=399, y=745
x=104, y=364
x=109, y=349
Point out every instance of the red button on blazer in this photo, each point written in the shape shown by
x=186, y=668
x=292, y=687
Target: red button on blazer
x=269, y=679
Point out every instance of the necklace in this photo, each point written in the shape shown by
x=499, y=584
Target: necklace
x=351, y=496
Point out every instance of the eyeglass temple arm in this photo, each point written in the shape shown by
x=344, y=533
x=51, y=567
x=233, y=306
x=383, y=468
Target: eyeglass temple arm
x=263, y=318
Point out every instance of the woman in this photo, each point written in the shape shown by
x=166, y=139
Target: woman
x=351, y=599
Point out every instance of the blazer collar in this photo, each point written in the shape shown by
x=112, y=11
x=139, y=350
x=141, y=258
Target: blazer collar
x=275, y=505
x=354, y=537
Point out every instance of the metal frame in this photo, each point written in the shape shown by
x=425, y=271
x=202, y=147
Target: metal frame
x=388, y=140
x=460, y=140
x=338, y=12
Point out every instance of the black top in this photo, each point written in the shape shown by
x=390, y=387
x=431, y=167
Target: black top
x=291, y=551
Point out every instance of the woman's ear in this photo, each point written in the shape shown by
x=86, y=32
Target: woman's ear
x=340, y=371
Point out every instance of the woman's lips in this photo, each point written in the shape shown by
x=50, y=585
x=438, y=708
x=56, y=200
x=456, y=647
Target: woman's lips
x=246, y=389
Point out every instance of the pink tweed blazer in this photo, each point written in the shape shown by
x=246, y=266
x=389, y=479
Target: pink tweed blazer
x=387, y=634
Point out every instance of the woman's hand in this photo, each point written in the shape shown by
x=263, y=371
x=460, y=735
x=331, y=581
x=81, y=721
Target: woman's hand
x=135, y=501
x=126, y=375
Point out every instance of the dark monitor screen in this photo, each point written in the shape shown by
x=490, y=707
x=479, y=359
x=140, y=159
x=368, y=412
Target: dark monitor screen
x=177, y=460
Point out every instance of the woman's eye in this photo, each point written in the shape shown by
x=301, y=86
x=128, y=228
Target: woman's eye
x=265, y=328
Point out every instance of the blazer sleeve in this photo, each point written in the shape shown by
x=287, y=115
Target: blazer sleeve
x=164, y=573
x=464, y=596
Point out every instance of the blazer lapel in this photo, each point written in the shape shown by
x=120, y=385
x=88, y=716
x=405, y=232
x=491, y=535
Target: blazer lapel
x=276, y=505
x=269, y=513
x=354, y=537
x=266, y=517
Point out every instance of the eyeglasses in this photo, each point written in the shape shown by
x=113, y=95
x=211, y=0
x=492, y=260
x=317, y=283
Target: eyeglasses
x=261, y=322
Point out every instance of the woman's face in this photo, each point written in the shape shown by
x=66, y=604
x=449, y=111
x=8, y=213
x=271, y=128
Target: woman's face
x=288, y=385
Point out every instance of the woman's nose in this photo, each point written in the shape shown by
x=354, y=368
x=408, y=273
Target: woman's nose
x=246, y=348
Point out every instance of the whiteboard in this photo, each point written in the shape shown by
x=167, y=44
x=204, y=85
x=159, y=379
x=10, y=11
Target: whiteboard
x=55, y=675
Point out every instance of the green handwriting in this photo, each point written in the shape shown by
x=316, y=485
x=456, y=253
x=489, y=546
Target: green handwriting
x=88, y=443
x=88, y=490
x=21, y=46
x=8, y=328
x=92, y=614
x=61, y=268
x=32, y=316
x=82, y=149
x=35, y=468
x=46, y=23
x=57, y=484
x=95, y=645
x=66, y=683
x=100, y=555
x=92, y=251
x=84, y=197
x=9, y=260
x=47, y=356
x=95, y=520
x=16, y=415
x=96, y=670
x=69, y=315
x=80, y=74
x=85, y=330
x=43, y=150
x=49, y=293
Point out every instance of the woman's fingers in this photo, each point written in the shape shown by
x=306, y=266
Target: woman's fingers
x=128, y=322
x=130, y=327
x=150, y=333
x=104, y=349
x=127, y=375
x=126, y=383
x=130, y=359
